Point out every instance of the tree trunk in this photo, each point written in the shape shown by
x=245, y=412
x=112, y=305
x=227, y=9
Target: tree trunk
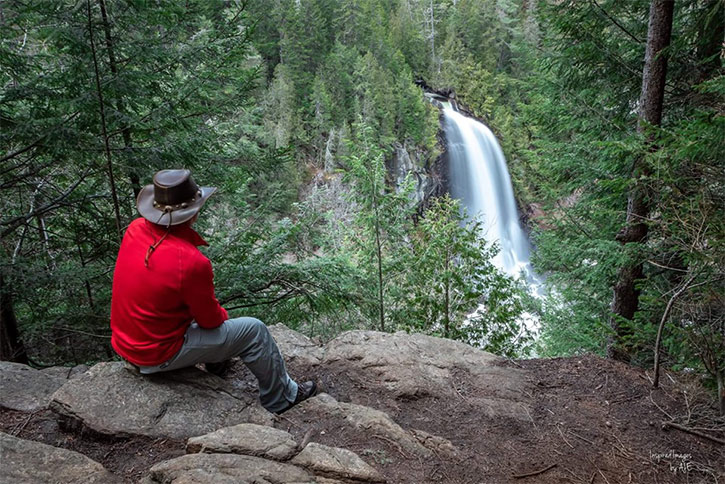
x=87, y=283
x=626, y=294
x=106, y=142
x=447, y=316
x=120, y=106
x=379, y=254
x=11, y=347
x=685, y=286
x=721, y=392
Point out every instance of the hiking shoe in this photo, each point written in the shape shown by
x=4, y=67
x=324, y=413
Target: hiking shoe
x=219, y=369
x=304, y=391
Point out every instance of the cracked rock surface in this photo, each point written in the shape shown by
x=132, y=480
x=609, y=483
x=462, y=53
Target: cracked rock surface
x=65, y=372
x=226, y=468
x=318, y=463
x=110, y=400
x=416, y=365
x=373, y=422
x=337, y=463
x=25, y=461
x=25, y=388
x=366, y=419
x=298, y=349
x=249, y=439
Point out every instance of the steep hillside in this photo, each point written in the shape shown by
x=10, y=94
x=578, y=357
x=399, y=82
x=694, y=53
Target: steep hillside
x=400, y=408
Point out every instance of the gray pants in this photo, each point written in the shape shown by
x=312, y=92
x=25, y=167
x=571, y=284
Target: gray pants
x=247, y=338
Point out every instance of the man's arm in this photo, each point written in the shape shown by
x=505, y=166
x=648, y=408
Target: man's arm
x=197, y=287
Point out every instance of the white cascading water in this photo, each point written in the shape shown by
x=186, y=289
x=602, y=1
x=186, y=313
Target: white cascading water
x=479, y=178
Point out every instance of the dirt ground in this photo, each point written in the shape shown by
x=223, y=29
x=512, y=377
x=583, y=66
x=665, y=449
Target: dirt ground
x=129, y=458
x=592, y=421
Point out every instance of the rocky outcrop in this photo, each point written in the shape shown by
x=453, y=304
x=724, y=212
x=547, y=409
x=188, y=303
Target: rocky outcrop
x=25, y=461
x=65, y=372
x=110, y=400
x=336, y=463
x=254, y=453
x=413, y=366
x=365, y=419
x=226, y=468
x=297, y=348
x=403, y=165
x=231, y=438
x=406, y=408
x=24, y=388
x=247, y=439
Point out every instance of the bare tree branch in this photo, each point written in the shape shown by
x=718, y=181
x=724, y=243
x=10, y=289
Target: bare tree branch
x=614, y=21
x=16, y=222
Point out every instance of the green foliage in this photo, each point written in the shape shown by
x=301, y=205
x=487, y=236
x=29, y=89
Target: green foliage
x=280, y=114
x=381, y=220
x=267, y=270
x=339, y=62
x=336, y=76
x=410, y=39
x=171, y=79
x=308, y=36
x=452, y=289
x=295, y=109
x=580, y=113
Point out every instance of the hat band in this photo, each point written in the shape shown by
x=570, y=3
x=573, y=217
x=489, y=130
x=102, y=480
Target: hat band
x=177, y=206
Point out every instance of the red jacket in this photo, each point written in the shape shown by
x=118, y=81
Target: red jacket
x=151, y=307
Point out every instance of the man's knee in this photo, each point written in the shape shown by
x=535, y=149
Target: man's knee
x=257, y=325
x=251, y=328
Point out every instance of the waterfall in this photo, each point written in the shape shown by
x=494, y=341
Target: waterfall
x=479, y=177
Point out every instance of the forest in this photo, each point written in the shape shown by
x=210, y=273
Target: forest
x=611, y=116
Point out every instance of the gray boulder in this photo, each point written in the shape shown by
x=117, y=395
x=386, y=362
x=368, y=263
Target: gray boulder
x=414, y=365
x=367, y=420
x=296, y=348
x=65, y=372
x=336, y=463
x=110, y=400
x=25, y=461
x=226, y=468
x=439, y=445
x=248, y=439
x=24, y=388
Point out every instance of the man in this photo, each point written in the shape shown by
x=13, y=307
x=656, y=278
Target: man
x=164, y=313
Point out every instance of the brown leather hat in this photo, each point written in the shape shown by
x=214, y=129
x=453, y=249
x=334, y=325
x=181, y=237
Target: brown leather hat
x=172, y=199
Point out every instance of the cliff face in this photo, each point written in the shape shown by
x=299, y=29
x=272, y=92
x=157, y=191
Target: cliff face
x=398, y=408
x=427, y=175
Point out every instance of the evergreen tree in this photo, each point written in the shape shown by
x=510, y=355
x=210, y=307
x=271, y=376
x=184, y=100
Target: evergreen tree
x=381, y=219
x=586, y=138
x=626, y=295
x=94, y=100
x=452, y=288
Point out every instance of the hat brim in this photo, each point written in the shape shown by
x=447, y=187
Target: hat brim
x=145, y=206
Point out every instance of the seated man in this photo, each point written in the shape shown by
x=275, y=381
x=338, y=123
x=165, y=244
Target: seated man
x=164, y=314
